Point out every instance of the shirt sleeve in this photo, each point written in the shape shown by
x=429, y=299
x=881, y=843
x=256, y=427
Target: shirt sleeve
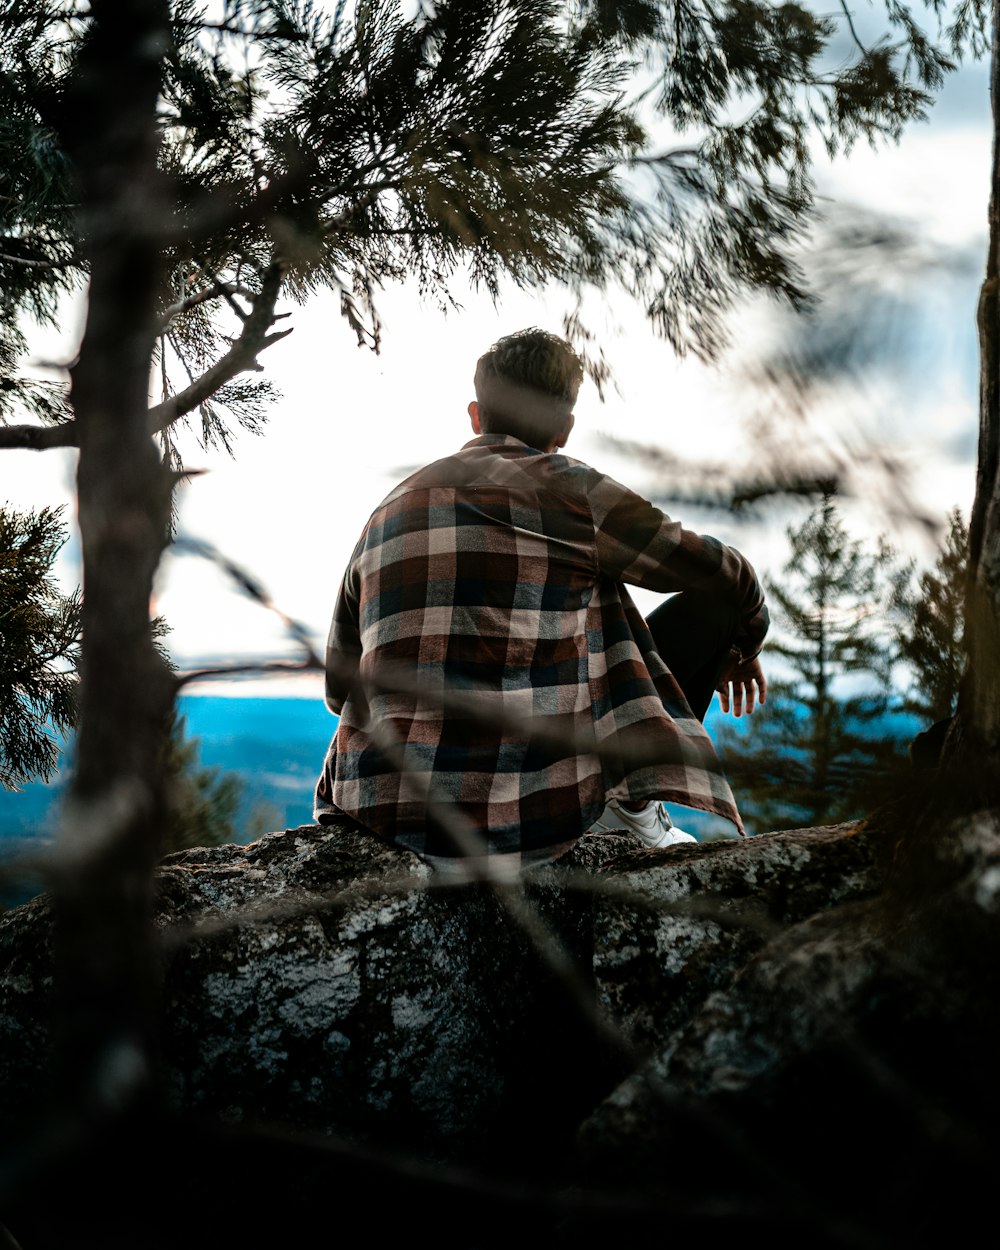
x=343, y=644
x=639, y=544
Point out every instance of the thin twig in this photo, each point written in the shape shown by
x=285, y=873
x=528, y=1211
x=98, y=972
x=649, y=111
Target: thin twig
x=471, y=845
x=227, y=28
x=850, y=25
x=225, y=289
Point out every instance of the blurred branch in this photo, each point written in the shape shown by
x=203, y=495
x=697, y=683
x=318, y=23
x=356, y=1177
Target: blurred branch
x=185, y=677
x=850, y=26
x=32, y=263
x=252, y=588
x=716, y=485
x=805, y=380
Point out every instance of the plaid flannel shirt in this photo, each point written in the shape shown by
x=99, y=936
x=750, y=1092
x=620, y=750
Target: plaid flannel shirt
x=496, y=578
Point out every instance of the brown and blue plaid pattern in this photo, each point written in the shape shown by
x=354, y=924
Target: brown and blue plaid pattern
x=495, y=577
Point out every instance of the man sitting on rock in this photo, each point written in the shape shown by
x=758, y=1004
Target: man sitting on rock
x=499, y=693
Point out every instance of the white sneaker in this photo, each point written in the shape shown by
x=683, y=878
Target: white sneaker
x=651, y=825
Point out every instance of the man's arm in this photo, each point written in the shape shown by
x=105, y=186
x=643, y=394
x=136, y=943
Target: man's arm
x=640, y=545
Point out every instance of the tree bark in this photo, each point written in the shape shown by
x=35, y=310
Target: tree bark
x=979, y=701
x=113, y=829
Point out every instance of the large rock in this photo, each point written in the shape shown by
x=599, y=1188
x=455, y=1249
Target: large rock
x=320, y=978
x=714, y=1026
x=844, y=1079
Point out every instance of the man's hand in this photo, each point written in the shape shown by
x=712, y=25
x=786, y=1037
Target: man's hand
x=748, y=683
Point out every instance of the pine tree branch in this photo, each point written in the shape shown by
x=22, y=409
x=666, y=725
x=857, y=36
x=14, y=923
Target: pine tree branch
x=368, y=197
x=217, y=290
x=31, y=263
x=39, y=437
x=241, y=357
x=286, y=34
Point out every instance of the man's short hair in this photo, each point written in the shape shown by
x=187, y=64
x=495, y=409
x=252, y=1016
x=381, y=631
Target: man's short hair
x=526, y=385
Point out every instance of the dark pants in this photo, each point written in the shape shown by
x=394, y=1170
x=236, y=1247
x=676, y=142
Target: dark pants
x=693, y=634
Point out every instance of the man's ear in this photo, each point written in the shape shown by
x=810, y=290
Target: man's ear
x=474, y=415
x=566, y=432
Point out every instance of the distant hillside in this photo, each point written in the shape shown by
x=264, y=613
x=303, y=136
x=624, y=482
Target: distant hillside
x=276, y=746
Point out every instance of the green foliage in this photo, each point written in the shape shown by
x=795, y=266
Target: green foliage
x=39, y=652
x=38, y=254
x=933, y=638
x=39, y=633
x=816, y=752
x=203, y=801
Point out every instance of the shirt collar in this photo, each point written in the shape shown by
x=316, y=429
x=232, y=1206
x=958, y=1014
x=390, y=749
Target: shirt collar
x=501, y=440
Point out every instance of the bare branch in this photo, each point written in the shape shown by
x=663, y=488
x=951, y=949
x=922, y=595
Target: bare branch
x=732, y=915
x=473, y=705
x=225, y=289
x=470, y=847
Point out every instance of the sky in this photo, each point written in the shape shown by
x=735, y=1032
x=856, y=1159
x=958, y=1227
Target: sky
x=349, y=424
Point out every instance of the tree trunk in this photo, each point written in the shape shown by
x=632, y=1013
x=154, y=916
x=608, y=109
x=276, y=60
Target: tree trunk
x=114, y=821
x=979, y=701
